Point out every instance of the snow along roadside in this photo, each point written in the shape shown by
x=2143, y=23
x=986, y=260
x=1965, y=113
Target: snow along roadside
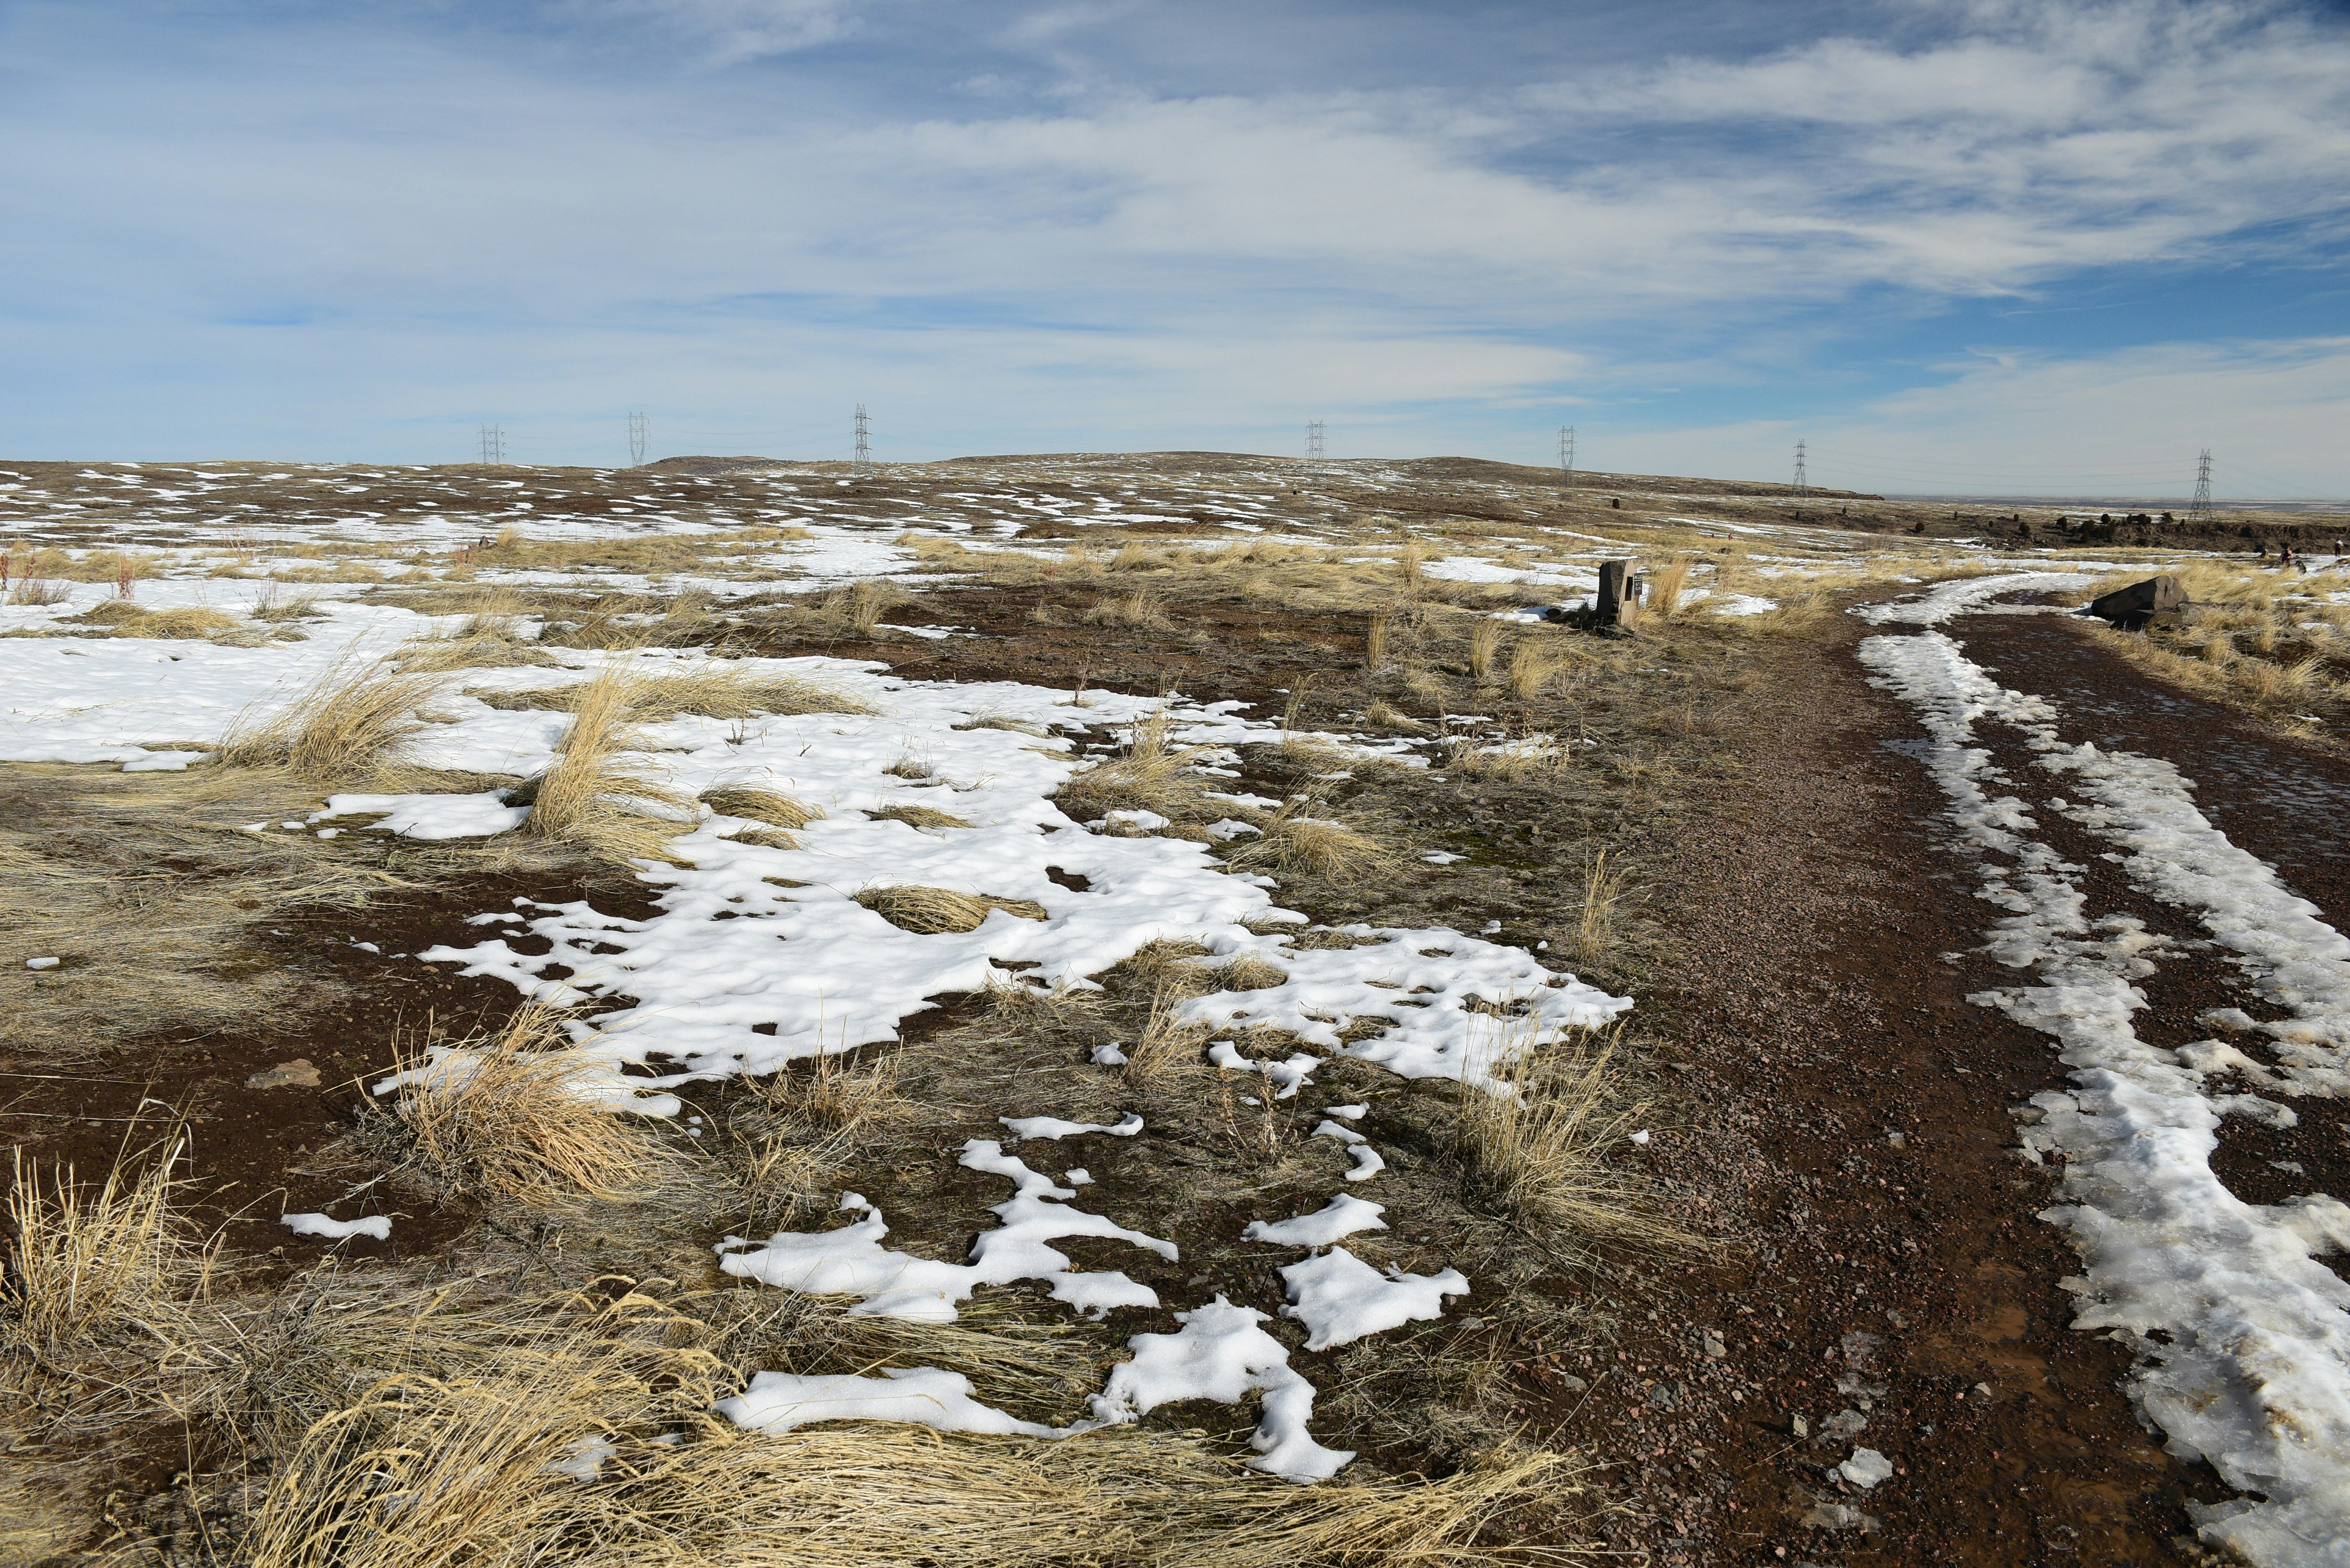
x=2252, y=1368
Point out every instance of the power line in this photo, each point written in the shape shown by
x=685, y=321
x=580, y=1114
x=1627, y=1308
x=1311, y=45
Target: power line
x=638, y=438
x=1566, y=455
x=864, y=447
x=1802, y=486
x=2199, y=509
x=493, y=445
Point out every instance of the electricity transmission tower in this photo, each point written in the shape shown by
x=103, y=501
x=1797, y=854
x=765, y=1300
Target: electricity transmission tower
x=1566, y=454
x=1803, y=486
x=2199, y=509
x=1314, y=444
x=638, y=439
x=494, y=444
x=864, y=446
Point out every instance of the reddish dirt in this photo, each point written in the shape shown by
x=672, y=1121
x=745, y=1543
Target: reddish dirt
x=246, y=1145
x=1821, y=1010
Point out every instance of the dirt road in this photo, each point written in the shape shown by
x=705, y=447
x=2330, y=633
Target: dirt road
x=1850, y=1116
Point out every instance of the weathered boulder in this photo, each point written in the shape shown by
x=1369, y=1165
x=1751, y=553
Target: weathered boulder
x=2131, y=607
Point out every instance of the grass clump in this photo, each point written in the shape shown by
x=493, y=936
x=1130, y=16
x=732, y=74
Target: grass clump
x=354, y=718
x=712, y=692
x=1535, y=1148
x=514, y=1115
x=929, y=911
x=593, y=796
x=83, y=1265
x=773, y=808
x=1292, y=841
x=120, y=617
x=919, y=816
x=1150, y=773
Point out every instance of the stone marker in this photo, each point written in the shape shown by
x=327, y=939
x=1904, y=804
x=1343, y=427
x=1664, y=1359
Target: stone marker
x=2131, y=607
x=1615, y=595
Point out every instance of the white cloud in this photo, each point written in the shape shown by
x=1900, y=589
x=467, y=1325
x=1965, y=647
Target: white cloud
x=736, y=30
x=2126, y=423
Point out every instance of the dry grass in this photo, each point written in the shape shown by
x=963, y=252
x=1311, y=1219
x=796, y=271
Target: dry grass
x=1374, y=639
x=1532, y=667
x=923, y=816
x=81, y=1266
x=592, y=797
x=1167, y=1045
x=513, y=1114
x=1666, y=587
x=38, y=591
x=863, y=603
x=356, y=717
x=773, y=808
x=294, y=607
x=1149, y=773
x=1484, y=644
x=1294, y=842
x=927, y=912
x=657, y=693
x=597, y=1447
x=1515, y=760
x=1605, y=887
x=119, y=618
x=1538, y=1147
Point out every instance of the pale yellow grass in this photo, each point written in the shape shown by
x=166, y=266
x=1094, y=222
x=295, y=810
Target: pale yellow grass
x=1545, y=1147
x=84, y=1264
x=1150, y=773
x=594, y=796
x=357, y=716
x=1294, y=840
x=927, y=912
x=509, y=1114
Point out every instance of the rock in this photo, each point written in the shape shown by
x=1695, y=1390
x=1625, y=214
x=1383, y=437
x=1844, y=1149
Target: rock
x=1845, y=1424
x=1711, y=1344
x=2131, y=607
x=1866, y=1468
x=295, y=1074
x=1571, y=1383
x=1798, y=1426
x=1664, y=1397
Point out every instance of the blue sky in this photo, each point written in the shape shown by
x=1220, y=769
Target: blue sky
x=1976, y=246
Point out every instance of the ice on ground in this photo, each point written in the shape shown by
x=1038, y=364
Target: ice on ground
x=1288, y=1076
x=917, y=1396
x=1342, y=1216
x=1024, y=1127
x=851, y=1260
x=1340, y=1298
x=1221, y=1354
x=1425, y=984
x=2241, y=1336
x=376, y=1225
x=428, y=816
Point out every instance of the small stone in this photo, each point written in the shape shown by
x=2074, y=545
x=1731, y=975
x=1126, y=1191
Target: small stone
x=1799, y=1427
x=1983, y=1390
x=1713, y=1345
x=1866, y=1468
x=295, y=1074
x=1571, y=1383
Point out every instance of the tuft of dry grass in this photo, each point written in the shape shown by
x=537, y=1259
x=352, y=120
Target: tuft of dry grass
x=1167, y=1043
x=591, y=796
x=589, y=1438
x=1151, y=773
x=1484, y=644
x=354, y=718
x=80, y=1265
x=753, y=803
x=514, y=1115
x=38, y=591
x=928, y=911
x=1536, y=1148
x=1532, y=667
x=863, y=603
x=1666, y=587
x=1294, y=842
x=1516, y=760
x=295, y=607
x=1605, y=886
x=657, y=694
x=120, y=617
x=922, y=816
x=1374, y=639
